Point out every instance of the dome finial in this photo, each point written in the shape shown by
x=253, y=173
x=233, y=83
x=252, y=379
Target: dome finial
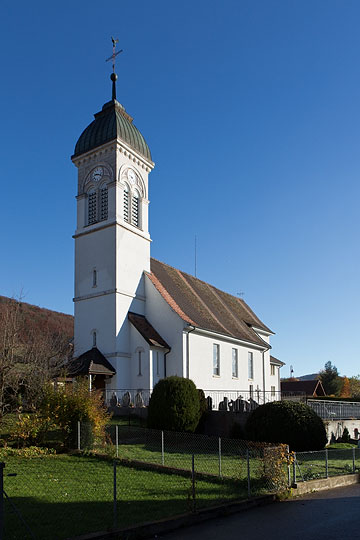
x=113, y=76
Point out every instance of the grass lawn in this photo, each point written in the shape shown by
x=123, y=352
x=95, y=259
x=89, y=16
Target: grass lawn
x=62, y=496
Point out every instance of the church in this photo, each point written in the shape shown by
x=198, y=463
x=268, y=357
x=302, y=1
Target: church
x=137, y=319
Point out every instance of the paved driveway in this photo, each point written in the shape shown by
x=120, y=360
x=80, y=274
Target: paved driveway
x=325, y=515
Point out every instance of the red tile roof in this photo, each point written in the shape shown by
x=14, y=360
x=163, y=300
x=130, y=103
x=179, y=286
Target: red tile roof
x=147, y=331
x=205, y=306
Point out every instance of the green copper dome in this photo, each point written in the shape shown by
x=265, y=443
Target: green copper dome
x=111, y=123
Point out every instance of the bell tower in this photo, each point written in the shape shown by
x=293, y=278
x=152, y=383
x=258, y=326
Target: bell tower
x=112, y=241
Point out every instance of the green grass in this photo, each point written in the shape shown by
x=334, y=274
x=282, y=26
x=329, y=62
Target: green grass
x=312, y=465
x=62, y=496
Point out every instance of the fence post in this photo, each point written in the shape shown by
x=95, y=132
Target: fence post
x=326, y=463
x=294, y=470
x=248, y=473
x=288, y=465
x=2, y=466
x=193, y=482
x=220, y=457
x=353, y=458
x=115, y=495
x=78, y=435
x=162, y=449
x=117, y=440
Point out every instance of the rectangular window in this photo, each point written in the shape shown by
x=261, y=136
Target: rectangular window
x=216, y=359
x=235, y=370
x=94, y=278
x=273, y=391
x=272, y=369
x=251, y=391
x=139, y=358
x=157, y=363
x=250, y=365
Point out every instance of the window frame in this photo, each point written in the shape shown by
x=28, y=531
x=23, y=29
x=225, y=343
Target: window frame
x=216, y=360
x=250, y=365
x=234, y=358
x=272, y=370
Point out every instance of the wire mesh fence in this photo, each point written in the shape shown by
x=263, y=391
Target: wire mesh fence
x=156, y=475
x=325, y=463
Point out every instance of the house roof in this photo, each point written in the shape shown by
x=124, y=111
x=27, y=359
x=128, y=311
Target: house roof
x=147, y=331
x=276, y=361
x=311, y=388
x=204, y=306
x=91, y=362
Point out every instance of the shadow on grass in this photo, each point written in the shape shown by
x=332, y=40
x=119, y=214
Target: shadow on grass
x=69, y=519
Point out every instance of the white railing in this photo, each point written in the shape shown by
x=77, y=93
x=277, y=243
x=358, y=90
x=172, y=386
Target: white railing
x=225, y=400
x=335, y=410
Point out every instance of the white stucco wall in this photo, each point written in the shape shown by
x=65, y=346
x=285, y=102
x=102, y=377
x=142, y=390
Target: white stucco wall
x=169, y=325
x=201, y=364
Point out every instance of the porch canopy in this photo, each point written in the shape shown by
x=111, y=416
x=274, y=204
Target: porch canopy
x=91, y=362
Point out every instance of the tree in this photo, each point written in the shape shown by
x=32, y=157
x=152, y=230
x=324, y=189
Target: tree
x=34, y=345
x=330, y=379
x=345, y=390
x=355, y=386
x=174, y=405
x=289, y=422
x=10, y=321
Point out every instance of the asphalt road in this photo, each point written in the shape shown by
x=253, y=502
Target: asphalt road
x=325, y=515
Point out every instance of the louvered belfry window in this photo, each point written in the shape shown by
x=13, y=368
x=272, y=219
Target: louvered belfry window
x=135, y=209
x=103, y=203
x=92, y=210
x=126, y=204
x=98, y=205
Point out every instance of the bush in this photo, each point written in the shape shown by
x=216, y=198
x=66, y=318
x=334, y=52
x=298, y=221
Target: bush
x=67, y=406
x=174, y=405
x=288, y=422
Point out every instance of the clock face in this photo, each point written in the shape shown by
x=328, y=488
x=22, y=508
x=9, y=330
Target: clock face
x=97, y=174
x=131, y=176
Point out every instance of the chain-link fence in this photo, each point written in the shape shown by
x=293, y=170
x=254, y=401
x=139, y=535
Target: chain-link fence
x=325, y=463
x=156, y=475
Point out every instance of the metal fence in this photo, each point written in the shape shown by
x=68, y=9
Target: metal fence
x=156, y=475
x=325, y=463
x=335, y=410
x=228, y=400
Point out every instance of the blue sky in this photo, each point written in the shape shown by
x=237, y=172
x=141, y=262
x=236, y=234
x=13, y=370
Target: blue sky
x=251, y=111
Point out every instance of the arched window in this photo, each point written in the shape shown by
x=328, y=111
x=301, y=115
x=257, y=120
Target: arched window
x=133, y=193
x=97, y=204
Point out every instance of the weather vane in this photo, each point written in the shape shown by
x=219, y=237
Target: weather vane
x=113, y=76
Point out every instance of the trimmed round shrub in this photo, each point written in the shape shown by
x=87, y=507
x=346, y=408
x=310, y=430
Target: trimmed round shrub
x=174, y=405
x=288, y=422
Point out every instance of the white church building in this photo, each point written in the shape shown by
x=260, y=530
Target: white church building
x=137, y=319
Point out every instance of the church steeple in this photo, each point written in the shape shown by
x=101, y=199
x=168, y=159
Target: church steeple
x=112, y=241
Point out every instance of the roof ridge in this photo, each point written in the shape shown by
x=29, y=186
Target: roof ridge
x=240, y=300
